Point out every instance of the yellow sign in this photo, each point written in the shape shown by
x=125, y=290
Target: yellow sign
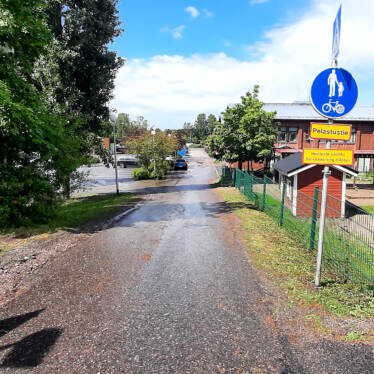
x=330, y=132
x=328, y=156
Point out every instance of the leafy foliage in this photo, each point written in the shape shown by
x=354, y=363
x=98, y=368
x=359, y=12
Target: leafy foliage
x=130, y=128
x=154, y=148
x=54, y=89
x=141, y=173
x=203, y=127
x=87, y=68
x=247, y=132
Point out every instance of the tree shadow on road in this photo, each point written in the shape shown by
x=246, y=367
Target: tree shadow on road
x=31, y=350
x=163, y=212
x=12, y=323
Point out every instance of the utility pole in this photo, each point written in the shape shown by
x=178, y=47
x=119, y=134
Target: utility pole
x=153, y=132
x=113, y=119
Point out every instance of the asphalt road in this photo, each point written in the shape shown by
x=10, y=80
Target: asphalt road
x=165, y=290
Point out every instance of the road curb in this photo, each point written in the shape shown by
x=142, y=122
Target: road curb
x=116, y=218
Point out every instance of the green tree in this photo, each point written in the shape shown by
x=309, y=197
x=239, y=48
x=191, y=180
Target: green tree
x=80, y=73
x=247, y=132
x=203, y=127
x=123, y=125
x=211, y=123
x=83, y=29
x=189, y=129
x=32, y=136
x=154, y=149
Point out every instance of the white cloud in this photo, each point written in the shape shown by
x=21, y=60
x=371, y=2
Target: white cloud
x=176, y=32
x=255, y=2
x=207, y=13
x=194, y=13
x=169, y=90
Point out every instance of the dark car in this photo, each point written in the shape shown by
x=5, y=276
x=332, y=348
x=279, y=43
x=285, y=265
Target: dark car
x=180, y=163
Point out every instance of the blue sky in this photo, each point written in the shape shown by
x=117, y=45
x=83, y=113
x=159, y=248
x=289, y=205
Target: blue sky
x=188, y=57
x=208, y=26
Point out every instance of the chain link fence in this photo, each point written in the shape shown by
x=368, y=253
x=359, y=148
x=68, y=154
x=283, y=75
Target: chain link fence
x=348, y=247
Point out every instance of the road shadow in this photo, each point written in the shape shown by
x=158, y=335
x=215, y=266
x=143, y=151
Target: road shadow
x=170, y=189
x=31, y=350
x=163, y=212
x=12, y=323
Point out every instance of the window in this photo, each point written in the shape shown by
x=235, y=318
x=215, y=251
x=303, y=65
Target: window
x=353, y=136
x=307, y=138
x=289, y=189
x=287, y=135
x=351, y=140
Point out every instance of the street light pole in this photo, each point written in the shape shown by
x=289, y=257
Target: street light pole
x=153, y=132
x=113, y=119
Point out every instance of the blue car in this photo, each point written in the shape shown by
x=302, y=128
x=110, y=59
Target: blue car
x=180, y=163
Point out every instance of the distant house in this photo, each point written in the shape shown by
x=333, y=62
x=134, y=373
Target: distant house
x=294, y=120
x=106, y=143
x=299, y=177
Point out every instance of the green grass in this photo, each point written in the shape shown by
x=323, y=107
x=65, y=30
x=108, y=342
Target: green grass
x=368, y=208
x=279, y=253
x=76, y=213
x=345, y=253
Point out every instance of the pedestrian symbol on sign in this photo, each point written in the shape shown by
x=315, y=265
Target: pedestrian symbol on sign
x=334, y=92
x=332, y=81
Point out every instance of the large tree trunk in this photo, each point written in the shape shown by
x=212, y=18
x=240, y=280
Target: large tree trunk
x=240, y=164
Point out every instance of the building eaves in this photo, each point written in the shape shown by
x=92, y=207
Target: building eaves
x=305, y=111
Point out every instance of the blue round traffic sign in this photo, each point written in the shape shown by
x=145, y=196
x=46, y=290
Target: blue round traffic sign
x=334, y=93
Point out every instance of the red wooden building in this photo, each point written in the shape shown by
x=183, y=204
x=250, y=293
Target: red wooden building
x=301, y=179
x=294, y=120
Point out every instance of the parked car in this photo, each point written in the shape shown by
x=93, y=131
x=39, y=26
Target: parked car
x=120, y=148
x=124, y=161
x=180, y=163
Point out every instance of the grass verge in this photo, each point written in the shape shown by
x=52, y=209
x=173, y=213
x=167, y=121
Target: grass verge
x=286, y=262
x=368, y=208
x=76, y=213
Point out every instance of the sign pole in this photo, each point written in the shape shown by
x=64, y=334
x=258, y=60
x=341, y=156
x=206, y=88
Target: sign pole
x=333, y=94
x=326, y=173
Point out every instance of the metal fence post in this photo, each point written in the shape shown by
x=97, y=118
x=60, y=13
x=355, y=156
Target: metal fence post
x=251, y=185
x=263, y=194
x=282, y=204
x=314, y=219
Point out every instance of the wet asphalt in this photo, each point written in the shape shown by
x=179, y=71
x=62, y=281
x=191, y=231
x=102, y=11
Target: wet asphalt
x=166, y=289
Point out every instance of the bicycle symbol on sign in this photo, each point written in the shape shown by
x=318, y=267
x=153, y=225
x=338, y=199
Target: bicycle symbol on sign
x=333, y=106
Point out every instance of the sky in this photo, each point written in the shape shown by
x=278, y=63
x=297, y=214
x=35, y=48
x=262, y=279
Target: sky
x=189, y=57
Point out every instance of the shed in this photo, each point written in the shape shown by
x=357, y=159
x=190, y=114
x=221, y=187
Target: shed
x=301, y=179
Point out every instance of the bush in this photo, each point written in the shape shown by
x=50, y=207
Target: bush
x=141, y=173
x=93, y=160
x=162, y=167
x=26, y=197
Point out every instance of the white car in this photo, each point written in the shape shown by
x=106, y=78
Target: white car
x=124, y=161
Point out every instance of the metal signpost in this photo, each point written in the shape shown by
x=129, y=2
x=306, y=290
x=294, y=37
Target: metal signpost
x=333, y=94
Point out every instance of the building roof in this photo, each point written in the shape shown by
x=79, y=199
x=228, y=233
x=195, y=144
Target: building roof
x=293, y=164
x=305, y=111
x=289, y=163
